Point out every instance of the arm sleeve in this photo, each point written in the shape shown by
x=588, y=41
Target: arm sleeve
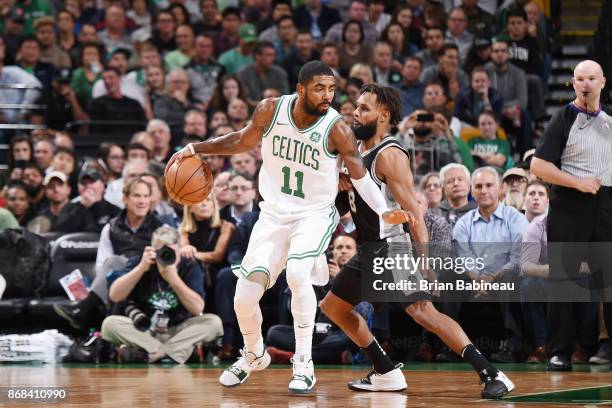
x=371, y=194
x=554, y=139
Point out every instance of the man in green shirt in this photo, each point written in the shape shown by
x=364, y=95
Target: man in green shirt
x=240, y=56
x=33, y=9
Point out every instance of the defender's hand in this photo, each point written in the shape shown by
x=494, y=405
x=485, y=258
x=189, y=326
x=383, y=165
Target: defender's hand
x=399, y=217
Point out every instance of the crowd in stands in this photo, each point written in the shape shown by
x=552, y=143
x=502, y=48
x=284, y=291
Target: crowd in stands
x=472, y=75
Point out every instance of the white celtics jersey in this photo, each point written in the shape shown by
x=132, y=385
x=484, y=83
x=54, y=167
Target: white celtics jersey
x=298, y=173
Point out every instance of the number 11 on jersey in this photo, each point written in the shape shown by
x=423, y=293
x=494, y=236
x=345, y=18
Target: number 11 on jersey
x=287, y=178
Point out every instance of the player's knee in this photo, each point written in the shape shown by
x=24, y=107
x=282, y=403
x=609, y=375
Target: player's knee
x=298, y=273
x=423, y=313
x=247, y=296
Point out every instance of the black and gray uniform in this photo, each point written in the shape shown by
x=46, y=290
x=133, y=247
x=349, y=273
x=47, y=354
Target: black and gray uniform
x=376, y=239
x=579, y=143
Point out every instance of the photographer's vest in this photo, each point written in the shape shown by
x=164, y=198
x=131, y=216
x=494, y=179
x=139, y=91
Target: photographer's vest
x=129, y=243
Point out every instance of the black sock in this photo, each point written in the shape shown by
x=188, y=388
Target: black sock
x=88, y=304
x=381, y=361
x=471, y=354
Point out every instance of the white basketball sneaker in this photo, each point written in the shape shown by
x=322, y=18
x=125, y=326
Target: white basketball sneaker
x=238, y=372
x=303, y=380
x=394, y=380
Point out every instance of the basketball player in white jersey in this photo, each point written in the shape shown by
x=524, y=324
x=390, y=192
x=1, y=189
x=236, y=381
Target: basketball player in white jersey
x=302, y=138
x=378, y=109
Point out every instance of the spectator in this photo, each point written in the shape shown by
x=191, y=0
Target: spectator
x=457, y=32
x=155, y=88
x=455, y=179
x=113, y=158
x=382, y=60
x=195, y=124
x=536, y=200
x=133, y=169
x=262, y=74
x=185, y=48
x=229, y=88
x=492, y=226
x=511, y=84
x=435, y=100
x=140, y=15
x=118, y=59
x=17, y=202
x=64, y=160
x=163, y=33
x=137, y=151
x=175, y=331
x=245, y=163
x=525, y=53
x=89, y=212
x=478, y=98
x=29, y=60
x=238, y=114
x=63, y=106
x=20, y=153
x=18, y=75
x=346, y=110
x=50, y=52
x=57, y=191
x=115, y=34
x=411, y=88
x=363, y=72
x=394, y=35
x=44, y=149
x=478, y=55
x=514, y=183
x=217, y=118
x=180, y=13
x=430, y=142
x=242, y=197
x=88, y=35
x=203, y=71
x=221, y=189
x=66, y=35
x=145, y=139
x=239, y=57
x=31, y=11
x=488, y=149
x=357, y=12
x=377, y=16
x=303, y=52
x=284, y=44
x=7, y=220
x=330, y=55
x=125, y=236
x=230, y=34
x=316, y=17
x=447, y=72
x=115, y=105
x=211, y=19
x=160, y=207
x=172, y=107
x=353, y=49
x=479, y=21
x=434, y=41
x=13, y=31
x=541, y=28
x=87, y=73
x=33, y=177
x=329, y=341
x=432, y=188
x=403, y=15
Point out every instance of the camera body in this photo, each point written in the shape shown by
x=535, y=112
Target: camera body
x=165, y=256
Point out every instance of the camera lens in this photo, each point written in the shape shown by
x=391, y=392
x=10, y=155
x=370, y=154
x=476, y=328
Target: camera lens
x=165, y=256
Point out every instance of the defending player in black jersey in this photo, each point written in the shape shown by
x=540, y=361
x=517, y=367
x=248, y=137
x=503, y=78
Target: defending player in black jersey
x=378, y=109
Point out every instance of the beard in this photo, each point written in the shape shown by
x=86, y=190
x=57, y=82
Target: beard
x=514, y=199
x=313, y=110
x=33, y=190
x=365, y=131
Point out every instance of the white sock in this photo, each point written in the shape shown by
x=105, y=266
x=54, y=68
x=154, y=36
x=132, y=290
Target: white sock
x=248, y=313
x=303, y=304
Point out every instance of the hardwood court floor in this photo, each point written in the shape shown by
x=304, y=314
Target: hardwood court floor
x=429, y=385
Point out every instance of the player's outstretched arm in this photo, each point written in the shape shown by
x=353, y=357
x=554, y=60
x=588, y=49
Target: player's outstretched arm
x=236, y=142
x=342, y=140
x=393, y=167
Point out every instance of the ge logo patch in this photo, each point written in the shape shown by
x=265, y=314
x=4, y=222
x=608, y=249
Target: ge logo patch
x=315, y=137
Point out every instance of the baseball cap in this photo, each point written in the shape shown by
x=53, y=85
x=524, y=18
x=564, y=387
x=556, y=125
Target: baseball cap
x=17, y=14
x=248, y=33
x=482, y=42
x=45, y=20
x=515, y=171
x=55, y=175
x=91, y=173
x=62, y=75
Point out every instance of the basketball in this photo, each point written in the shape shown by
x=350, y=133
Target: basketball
x=189, y=181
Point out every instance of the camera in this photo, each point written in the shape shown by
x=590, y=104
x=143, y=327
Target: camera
x=425, y=117
x=165, y=256
x=141, y=320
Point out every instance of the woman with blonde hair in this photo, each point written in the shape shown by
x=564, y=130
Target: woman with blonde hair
x=363, y=72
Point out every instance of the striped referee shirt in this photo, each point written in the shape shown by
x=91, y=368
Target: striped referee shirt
x=579, y=143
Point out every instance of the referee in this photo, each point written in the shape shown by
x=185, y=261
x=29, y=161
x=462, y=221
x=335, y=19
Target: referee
x=575, y=156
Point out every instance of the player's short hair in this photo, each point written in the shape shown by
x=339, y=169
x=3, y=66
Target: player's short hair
x=388, y=97
x=312, y=69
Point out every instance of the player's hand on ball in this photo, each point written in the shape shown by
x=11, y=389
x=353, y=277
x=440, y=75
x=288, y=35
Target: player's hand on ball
x=399, y=217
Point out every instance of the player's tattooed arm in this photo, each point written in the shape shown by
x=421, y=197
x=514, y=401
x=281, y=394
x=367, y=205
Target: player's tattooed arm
x=245, y=139
x=342, y=141
x=393, y=167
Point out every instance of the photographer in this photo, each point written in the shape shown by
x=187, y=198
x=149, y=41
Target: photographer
x=430, y=142
x=162, y=299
